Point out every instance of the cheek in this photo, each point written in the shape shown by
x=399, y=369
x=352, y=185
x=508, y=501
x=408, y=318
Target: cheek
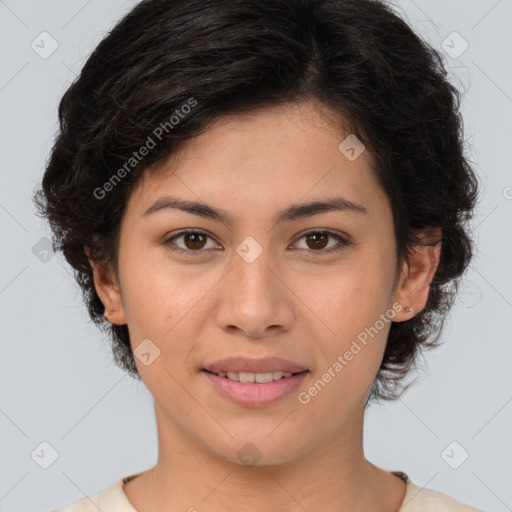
x=350, y=296
x=353, y=317
x=156, y=295
x=165, y=305
x=346, y=364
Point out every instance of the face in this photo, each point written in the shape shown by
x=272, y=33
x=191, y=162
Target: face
x=260, y=277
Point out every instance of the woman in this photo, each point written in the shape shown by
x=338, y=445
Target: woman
x=267, y=202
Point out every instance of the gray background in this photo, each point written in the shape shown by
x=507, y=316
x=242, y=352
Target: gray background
x=58, y=382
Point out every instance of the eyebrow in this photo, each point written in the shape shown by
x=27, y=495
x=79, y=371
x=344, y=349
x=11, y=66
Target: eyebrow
x=294, y=212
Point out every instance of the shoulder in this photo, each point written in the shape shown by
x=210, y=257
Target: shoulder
x=111, y=499
x=420, y=499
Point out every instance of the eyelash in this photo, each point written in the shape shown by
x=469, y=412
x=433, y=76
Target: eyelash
x=342, y=242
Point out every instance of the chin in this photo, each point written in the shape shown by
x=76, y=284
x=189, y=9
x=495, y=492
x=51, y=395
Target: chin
x=259, y=450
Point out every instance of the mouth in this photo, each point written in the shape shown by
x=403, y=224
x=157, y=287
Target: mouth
x=247, y=389
x=258, y=378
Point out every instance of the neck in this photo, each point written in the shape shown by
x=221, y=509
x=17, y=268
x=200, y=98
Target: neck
x=332, y=476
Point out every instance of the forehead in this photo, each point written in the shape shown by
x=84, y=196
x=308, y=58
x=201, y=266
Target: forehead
x=288, y=130
x=279, y=154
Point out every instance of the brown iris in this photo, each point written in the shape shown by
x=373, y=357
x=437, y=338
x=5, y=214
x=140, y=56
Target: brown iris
x=197, y=240
x=319, y=244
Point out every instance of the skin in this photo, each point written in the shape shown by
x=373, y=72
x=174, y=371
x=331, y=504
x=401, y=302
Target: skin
x=292, y=301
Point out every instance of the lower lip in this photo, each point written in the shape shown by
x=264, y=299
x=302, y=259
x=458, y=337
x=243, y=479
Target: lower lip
x=254, y=394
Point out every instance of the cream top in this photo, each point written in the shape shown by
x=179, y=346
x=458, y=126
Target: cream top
x=416, y=499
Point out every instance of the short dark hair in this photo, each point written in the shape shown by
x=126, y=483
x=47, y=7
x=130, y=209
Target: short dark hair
x=357, y=57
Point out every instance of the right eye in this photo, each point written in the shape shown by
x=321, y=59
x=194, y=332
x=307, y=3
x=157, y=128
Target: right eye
x=193, y=238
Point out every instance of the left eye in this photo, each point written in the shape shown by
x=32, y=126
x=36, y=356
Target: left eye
x=195, y=241
x=319, y=240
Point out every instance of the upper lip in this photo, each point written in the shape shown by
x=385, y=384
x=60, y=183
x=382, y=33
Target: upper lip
x=263, y=365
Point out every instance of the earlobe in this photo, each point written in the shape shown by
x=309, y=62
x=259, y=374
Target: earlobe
x=108, y=290
x=417, y=274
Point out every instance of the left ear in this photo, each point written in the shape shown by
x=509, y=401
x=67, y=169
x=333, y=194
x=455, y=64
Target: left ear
x=417, y=274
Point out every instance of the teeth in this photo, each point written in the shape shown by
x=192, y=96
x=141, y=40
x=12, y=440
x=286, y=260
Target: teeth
x=260, y=378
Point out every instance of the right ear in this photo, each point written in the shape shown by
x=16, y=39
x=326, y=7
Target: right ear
x=108, y=291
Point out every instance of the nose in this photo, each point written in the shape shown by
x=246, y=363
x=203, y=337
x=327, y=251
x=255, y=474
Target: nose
x=255, y=299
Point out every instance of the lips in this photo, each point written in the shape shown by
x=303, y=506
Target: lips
x=246, y=365
x=254, y=394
